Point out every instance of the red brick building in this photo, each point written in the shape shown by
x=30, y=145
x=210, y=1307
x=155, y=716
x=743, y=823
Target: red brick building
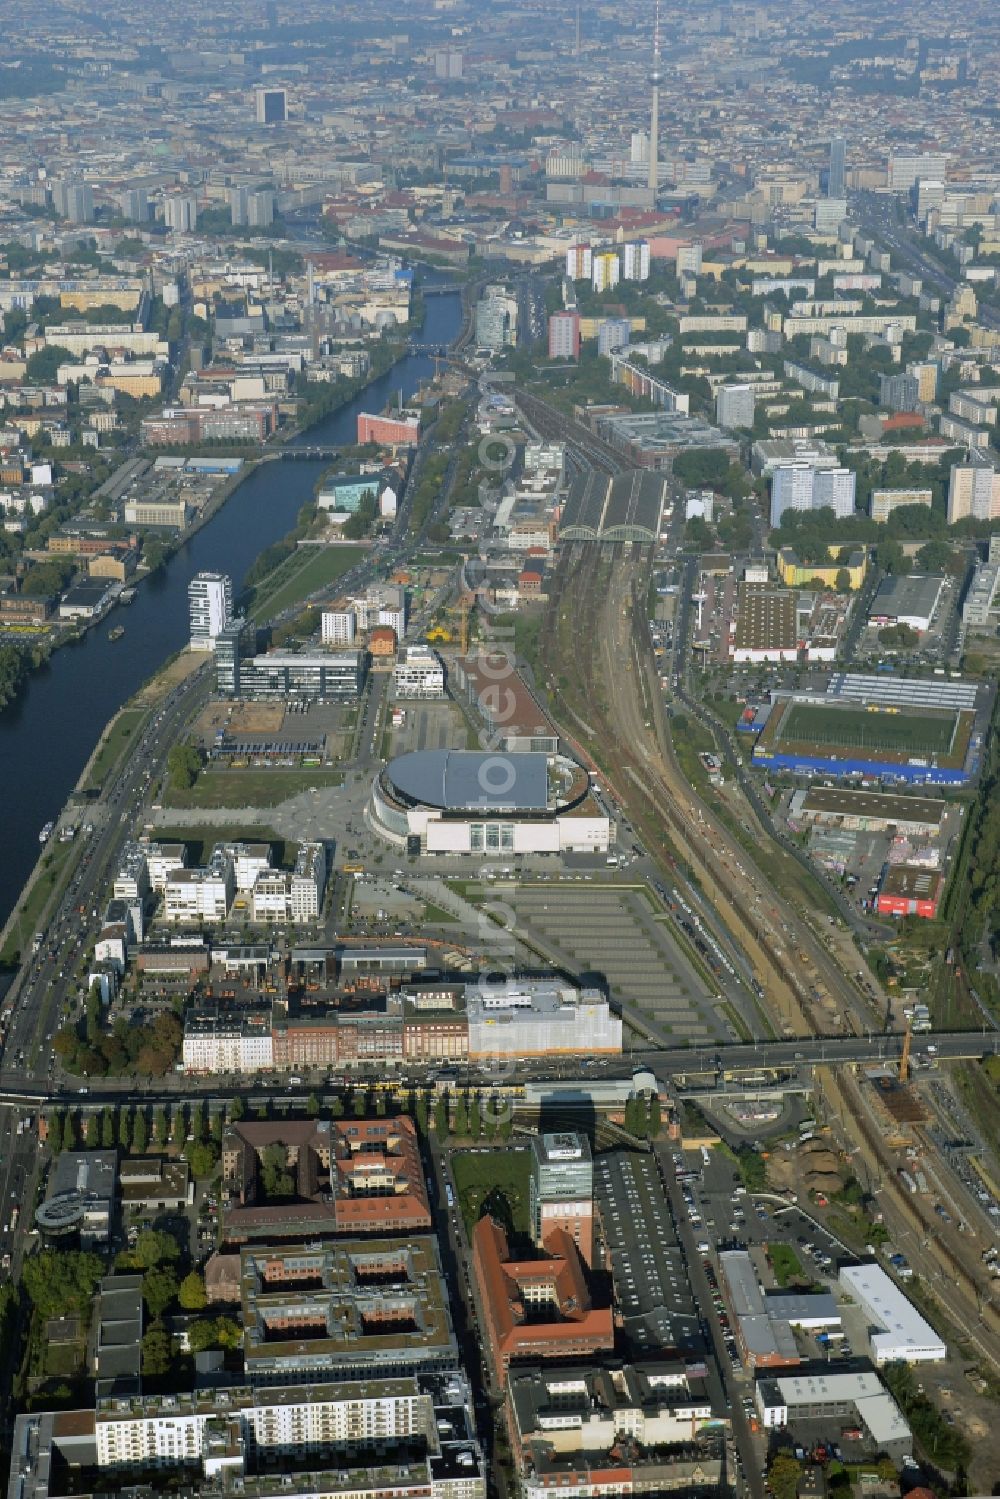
x=536, y=1309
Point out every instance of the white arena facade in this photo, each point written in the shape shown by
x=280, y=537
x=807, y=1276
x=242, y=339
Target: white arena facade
x=467, y=802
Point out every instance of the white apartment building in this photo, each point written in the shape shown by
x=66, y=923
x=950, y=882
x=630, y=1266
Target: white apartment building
x=307, y=883
x=199, y=895
x=799, y=486
x=174, y=1430
x=295, y=897
x=132, y=875
x=210, y=607
x=339, y=626
x=217, y=1044
x=635, y=260
x=249, y=861
x=381, y=604
x=163, y=860
x=418, y=673
x=885, y=501
x=973, y=489
x=579, y=262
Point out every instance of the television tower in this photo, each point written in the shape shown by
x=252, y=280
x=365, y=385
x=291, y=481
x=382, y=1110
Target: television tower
x=655, y=79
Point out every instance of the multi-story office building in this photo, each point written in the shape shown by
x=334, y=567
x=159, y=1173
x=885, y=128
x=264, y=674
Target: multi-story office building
x=163, y=860
x=210, y=608
x=974, y=489
x=564, y=335
x=296, y=897
x=132, y=875
x=561, y=1192
x=606, y=270
x=734, y=406
x=278, y=674
x=798, y=486
x=270, y=105
x=906, y=169
x=418, y=673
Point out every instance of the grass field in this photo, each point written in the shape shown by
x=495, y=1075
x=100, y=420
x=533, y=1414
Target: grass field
x=219, y=786
x=23, y=924
x=785, y=1264
x=910, y=733
x=504, y=1172
x=322, y=565
x=114, y=745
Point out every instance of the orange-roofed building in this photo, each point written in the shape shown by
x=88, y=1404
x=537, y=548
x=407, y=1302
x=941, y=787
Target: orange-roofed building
x=536, y=1309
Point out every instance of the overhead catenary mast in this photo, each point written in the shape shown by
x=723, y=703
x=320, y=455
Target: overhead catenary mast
x=655, y=79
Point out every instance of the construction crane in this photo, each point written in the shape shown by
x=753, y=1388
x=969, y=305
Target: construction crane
x=462, y=609
x=904, y=1058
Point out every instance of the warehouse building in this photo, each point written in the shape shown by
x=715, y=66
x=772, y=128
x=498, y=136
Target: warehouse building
x=845, y=1399
x=901, y=1335
x=909, y=890
x=868, y=811
x=912, y=601
x=766, y=626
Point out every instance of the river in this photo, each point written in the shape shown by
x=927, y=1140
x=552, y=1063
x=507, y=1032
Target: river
x=47, y=736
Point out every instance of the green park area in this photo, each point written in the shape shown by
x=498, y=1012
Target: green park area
x=494, y=1182
x=114, y=745
x=308, y=569
x=786, y=1265
x=225, y=786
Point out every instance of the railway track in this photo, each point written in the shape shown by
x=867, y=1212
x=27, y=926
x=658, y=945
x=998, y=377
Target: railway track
x=553, y=426
x=614, y=694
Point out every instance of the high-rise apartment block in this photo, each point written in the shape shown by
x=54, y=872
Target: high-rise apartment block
x=606, y=270
x=210, y=607
x=613, y=333
x=561, y=1192
x=180, y=212
x=338, y=626
x=270, y=106
x=564, y=335
x=579, y=262
x=899, y=392
x=734, y=406
x=449, y=63
x=836, y=177
x=798, y=486
x=635, y=260
x=974, y=490
x=134, y=203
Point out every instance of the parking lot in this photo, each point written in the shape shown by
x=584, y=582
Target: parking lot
x=613, y=929
x=428, y=726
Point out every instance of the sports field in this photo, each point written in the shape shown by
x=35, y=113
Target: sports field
x=899, y=732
